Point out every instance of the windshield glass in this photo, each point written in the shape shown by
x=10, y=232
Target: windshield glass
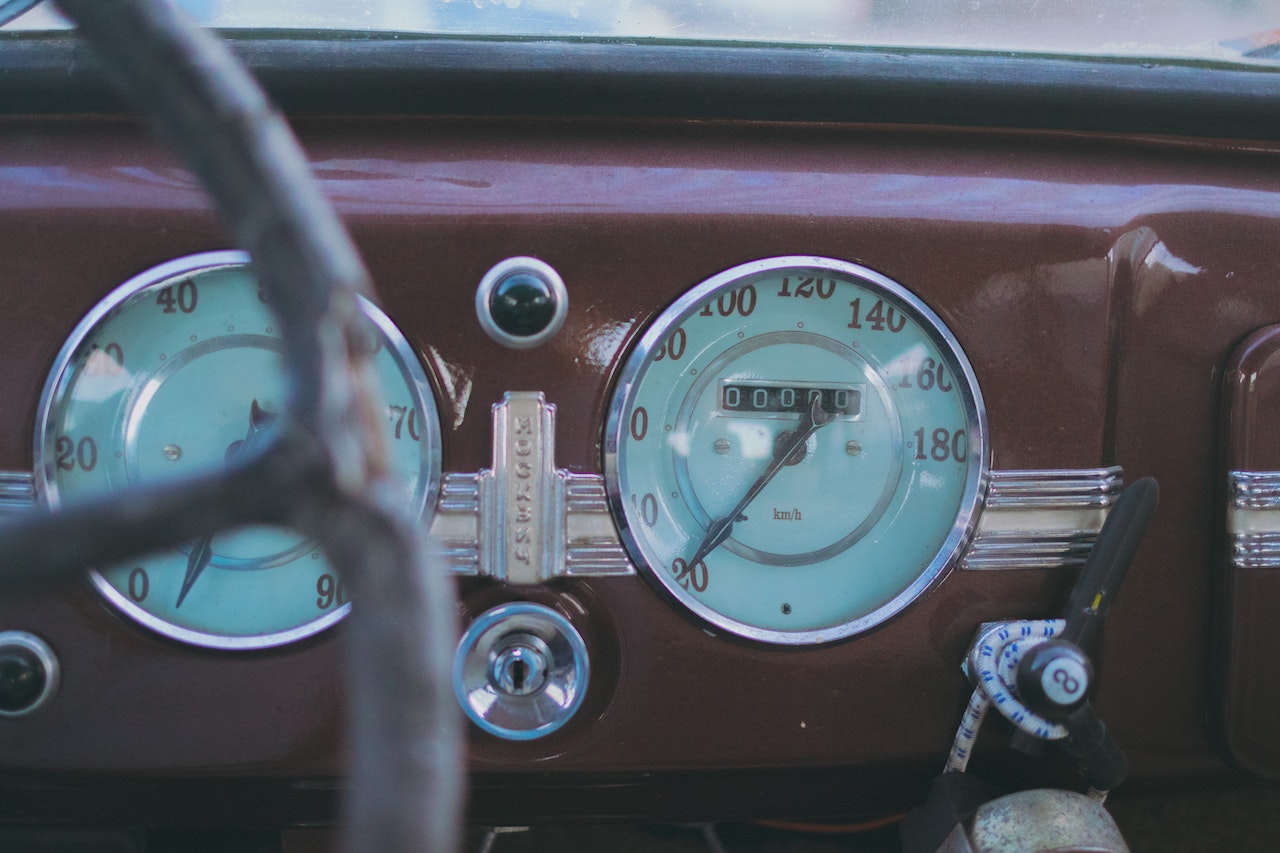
x=1211, y=29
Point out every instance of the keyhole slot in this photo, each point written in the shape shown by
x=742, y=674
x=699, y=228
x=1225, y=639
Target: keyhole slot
x=519, y=665
x=519, y=669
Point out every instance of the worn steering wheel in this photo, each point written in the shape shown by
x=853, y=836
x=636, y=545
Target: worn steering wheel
x=324, y=471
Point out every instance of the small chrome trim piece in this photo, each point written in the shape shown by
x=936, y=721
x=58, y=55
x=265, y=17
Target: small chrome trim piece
x=522, y=495
x=1084, y=488
x=1253, y=519
x=503, y=270
x=1042, y=519
x=477, y=528
x=1255, y=489
x=17, y=492
x=1255, y=550
x=1033, y=550
x=456, y=524
x=593, y=545
x=460, y=492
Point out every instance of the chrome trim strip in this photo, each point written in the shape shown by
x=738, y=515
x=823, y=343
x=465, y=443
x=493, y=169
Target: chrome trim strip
x=586, y=493
x=592, y=560
x=522, y=495
x=17, y=492
x=578, y=536
x=1055, y=488
x=460, y=492
x=1032, y=520
x=1253, y=519
x=1255, y=550
x=591, y=543
x=1255, y=489
x=455, y=528
x=1042, y=519
x=593, y=546
x=1045, y=550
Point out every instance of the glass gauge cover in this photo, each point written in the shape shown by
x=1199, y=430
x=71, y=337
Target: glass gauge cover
x=177, y=372
x=796, y=449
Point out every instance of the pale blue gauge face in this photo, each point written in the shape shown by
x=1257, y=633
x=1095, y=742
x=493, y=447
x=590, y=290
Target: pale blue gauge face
x=795, y=450
x=177, y=373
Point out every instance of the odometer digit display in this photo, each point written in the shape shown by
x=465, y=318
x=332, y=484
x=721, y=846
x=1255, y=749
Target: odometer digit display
x=794, y=399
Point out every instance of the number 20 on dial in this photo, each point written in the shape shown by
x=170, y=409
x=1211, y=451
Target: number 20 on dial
x=179, y=372
x=795, y=449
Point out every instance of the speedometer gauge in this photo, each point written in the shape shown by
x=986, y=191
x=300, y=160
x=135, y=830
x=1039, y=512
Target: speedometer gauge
x=177, y=372
x=795, y=450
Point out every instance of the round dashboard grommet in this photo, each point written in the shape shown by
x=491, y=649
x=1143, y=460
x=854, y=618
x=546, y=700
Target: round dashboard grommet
x=521, y=302
x=29, y=674
x=520, y=671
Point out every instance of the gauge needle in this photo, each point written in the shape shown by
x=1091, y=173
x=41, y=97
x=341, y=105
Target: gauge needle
x=719, y=530
x=202, y=550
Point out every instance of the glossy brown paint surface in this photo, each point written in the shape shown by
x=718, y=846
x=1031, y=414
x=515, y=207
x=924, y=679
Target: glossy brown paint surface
x=1250, y=632
x=1097, y=285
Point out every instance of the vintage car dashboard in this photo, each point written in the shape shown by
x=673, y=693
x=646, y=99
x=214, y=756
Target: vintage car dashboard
x=934, y=353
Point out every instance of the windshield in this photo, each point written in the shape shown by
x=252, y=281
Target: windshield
x=1209, y=29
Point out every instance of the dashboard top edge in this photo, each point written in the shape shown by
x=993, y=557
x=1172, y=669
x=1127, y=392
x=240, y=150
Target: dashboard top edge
x=501, y=154
x=475, y=77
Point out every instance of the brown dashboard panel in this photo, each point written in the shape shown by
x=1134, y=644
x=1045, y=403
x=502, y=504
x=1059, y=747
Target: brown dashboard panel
x=1097, y=284
x=1249, y=592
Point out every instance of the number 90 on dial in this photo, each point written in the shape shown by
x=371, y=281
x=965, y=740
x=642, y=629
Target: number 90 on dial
x=176, y=373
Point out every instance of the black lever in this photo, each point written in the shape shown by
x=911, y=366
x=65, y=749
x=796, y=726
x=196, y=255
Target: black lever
x=1108, y=562
x=1055, y=679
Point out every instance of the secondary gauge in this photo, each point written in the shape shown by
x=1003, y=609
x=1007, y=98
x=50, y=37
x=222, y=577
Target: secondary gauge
x=177, y=372
x=795, y=450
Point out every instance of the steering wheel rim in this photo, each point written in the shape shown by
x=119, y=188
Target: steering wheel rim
x=325, y=471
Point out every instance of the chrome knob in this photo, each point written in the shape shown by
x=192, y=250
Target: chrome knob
x=520, y=671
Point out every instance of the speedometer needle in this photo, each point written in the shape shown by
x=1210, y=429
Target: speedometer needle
x=720, y=529
x=202, y=550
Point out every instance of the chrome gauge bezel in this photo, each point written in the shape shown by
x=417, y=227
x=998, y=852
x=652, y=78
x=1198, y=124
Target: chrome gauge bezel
x=61, y=374
x=974, y=415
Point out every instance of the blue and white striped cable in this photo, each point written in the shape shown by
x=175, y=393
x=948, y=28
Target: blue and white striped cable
x=995, y=663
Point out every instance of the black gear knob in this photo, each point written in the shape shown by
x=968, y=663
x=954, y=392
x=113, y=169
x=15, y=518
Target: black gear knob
x=1054, y=679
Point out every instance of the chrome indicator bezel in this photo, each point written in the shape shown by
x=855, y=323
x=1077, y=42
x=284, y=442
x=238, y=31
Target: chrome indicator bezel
x=56, y=387
x=963, y=526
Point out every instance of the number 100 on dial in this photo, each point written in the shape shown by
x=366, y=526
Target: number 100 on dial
x=794, y=450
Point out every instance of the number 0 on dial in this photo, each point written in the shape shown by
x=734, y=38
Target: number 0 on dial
x=179, y=371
